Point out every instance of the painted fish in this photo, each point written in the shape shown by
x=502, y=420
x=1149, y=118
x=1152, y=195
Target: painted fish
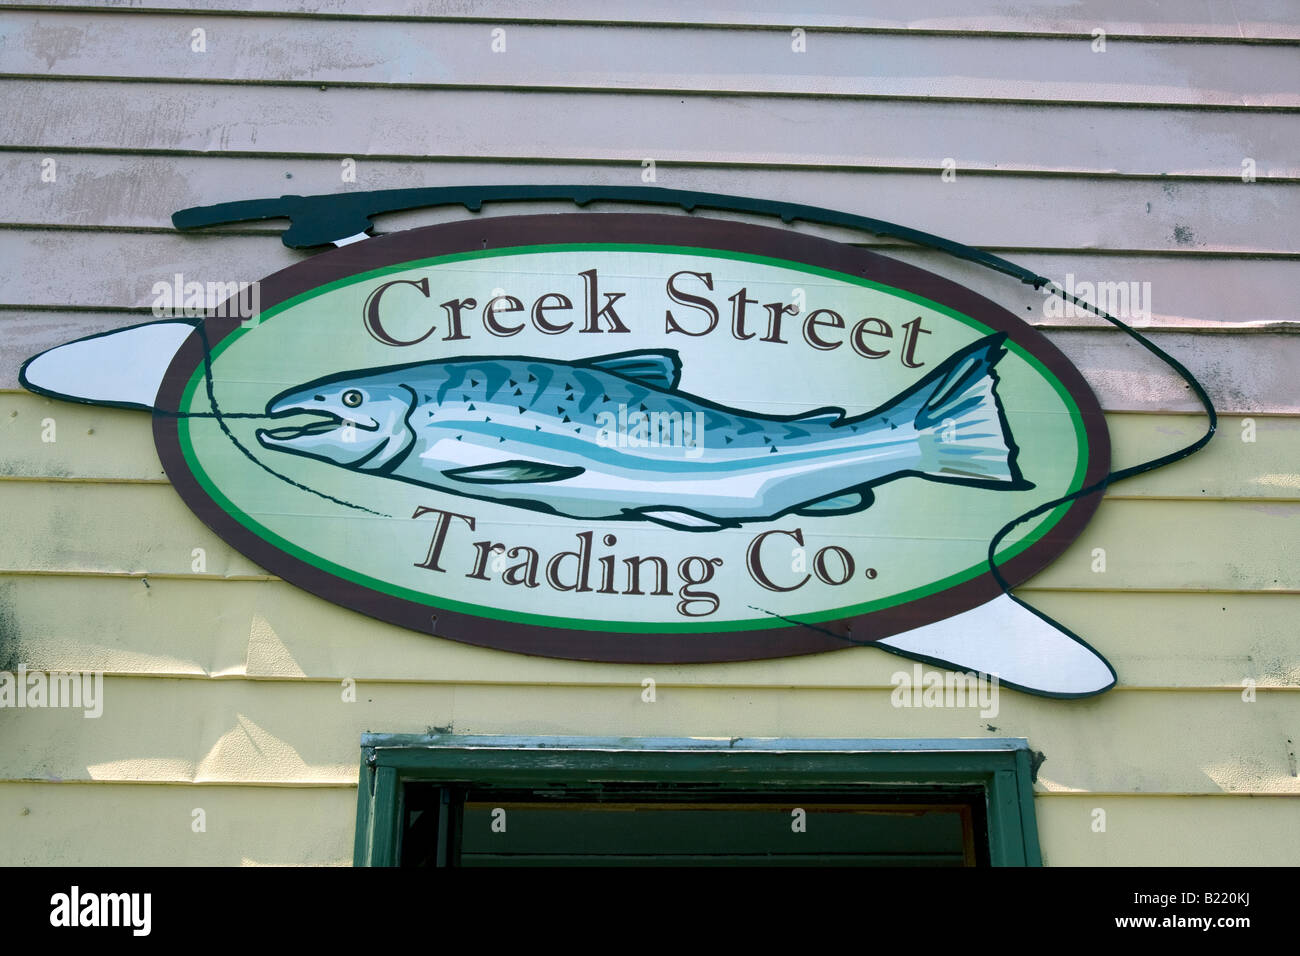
x=552, y=436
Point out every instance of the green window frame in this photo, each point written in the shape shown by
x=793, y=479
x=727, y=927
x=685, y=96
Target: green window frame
x=1000, y=766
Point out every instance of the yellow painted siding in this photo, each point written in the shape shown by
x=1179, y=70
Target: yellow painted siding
x=63, y=825
x=236, y=730
x=269, y=630
x=1176, y=831
x=223, y=686
x=262, y=826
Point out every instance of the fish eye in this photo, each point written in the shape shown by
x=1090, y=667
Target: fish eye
x=352, y=398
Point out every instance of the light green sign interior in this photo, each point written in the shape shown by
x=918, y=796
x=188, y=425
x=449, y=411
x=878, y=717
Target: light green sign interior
x=919, y=536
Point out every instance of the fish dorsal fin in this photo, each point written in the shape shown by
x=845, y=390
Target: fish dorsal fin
x=660, y=368
x=821, y=416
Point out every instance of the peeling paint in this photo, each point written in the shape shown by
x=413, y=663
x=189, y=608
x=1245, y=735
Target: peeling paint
x=11, y=649
x=1036, y=759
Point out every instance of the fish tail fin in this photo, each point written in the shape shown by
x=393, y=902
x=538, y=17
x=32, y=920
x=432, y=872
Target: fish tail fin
x=963, y=430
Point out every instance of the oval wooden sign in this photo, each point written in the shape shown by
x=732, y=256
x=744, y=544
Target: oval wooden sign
x=630, y=437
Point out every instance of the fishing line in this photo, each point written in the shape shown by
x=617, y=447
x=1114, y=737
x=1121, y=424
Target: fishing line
x=790, y=212
x=220, y=418
x=1114, y=476
x=320, y=220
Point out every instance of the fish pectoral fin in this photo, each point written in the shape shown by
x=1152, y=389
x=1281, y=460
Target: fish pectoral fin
x=838, y=504
x=660, y=368
x=514, y=472
x=683, y=520
x=821, y=416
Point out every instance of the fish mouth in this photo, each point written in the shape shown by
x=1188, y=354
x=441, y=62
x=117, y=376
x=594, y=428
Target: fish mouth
x=325, y=423
x=290, y=433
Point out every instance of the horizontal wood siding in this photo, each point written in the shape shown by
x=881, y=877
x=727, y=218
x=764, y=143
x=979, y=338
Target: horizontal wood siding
x=223, y=686
x=441, y=54
x=1216, y=19
x=162, y=116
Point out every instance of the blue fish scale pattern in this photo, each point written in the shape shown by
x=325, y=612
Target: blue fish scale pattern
x=505, y=398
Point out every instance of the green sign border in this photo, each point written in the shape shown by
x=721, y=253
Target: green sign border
x=1044, y=526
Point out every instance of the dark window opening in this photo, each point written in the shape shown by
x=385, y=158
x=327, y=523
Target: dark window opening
x=465, y=800
x=628, y=825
